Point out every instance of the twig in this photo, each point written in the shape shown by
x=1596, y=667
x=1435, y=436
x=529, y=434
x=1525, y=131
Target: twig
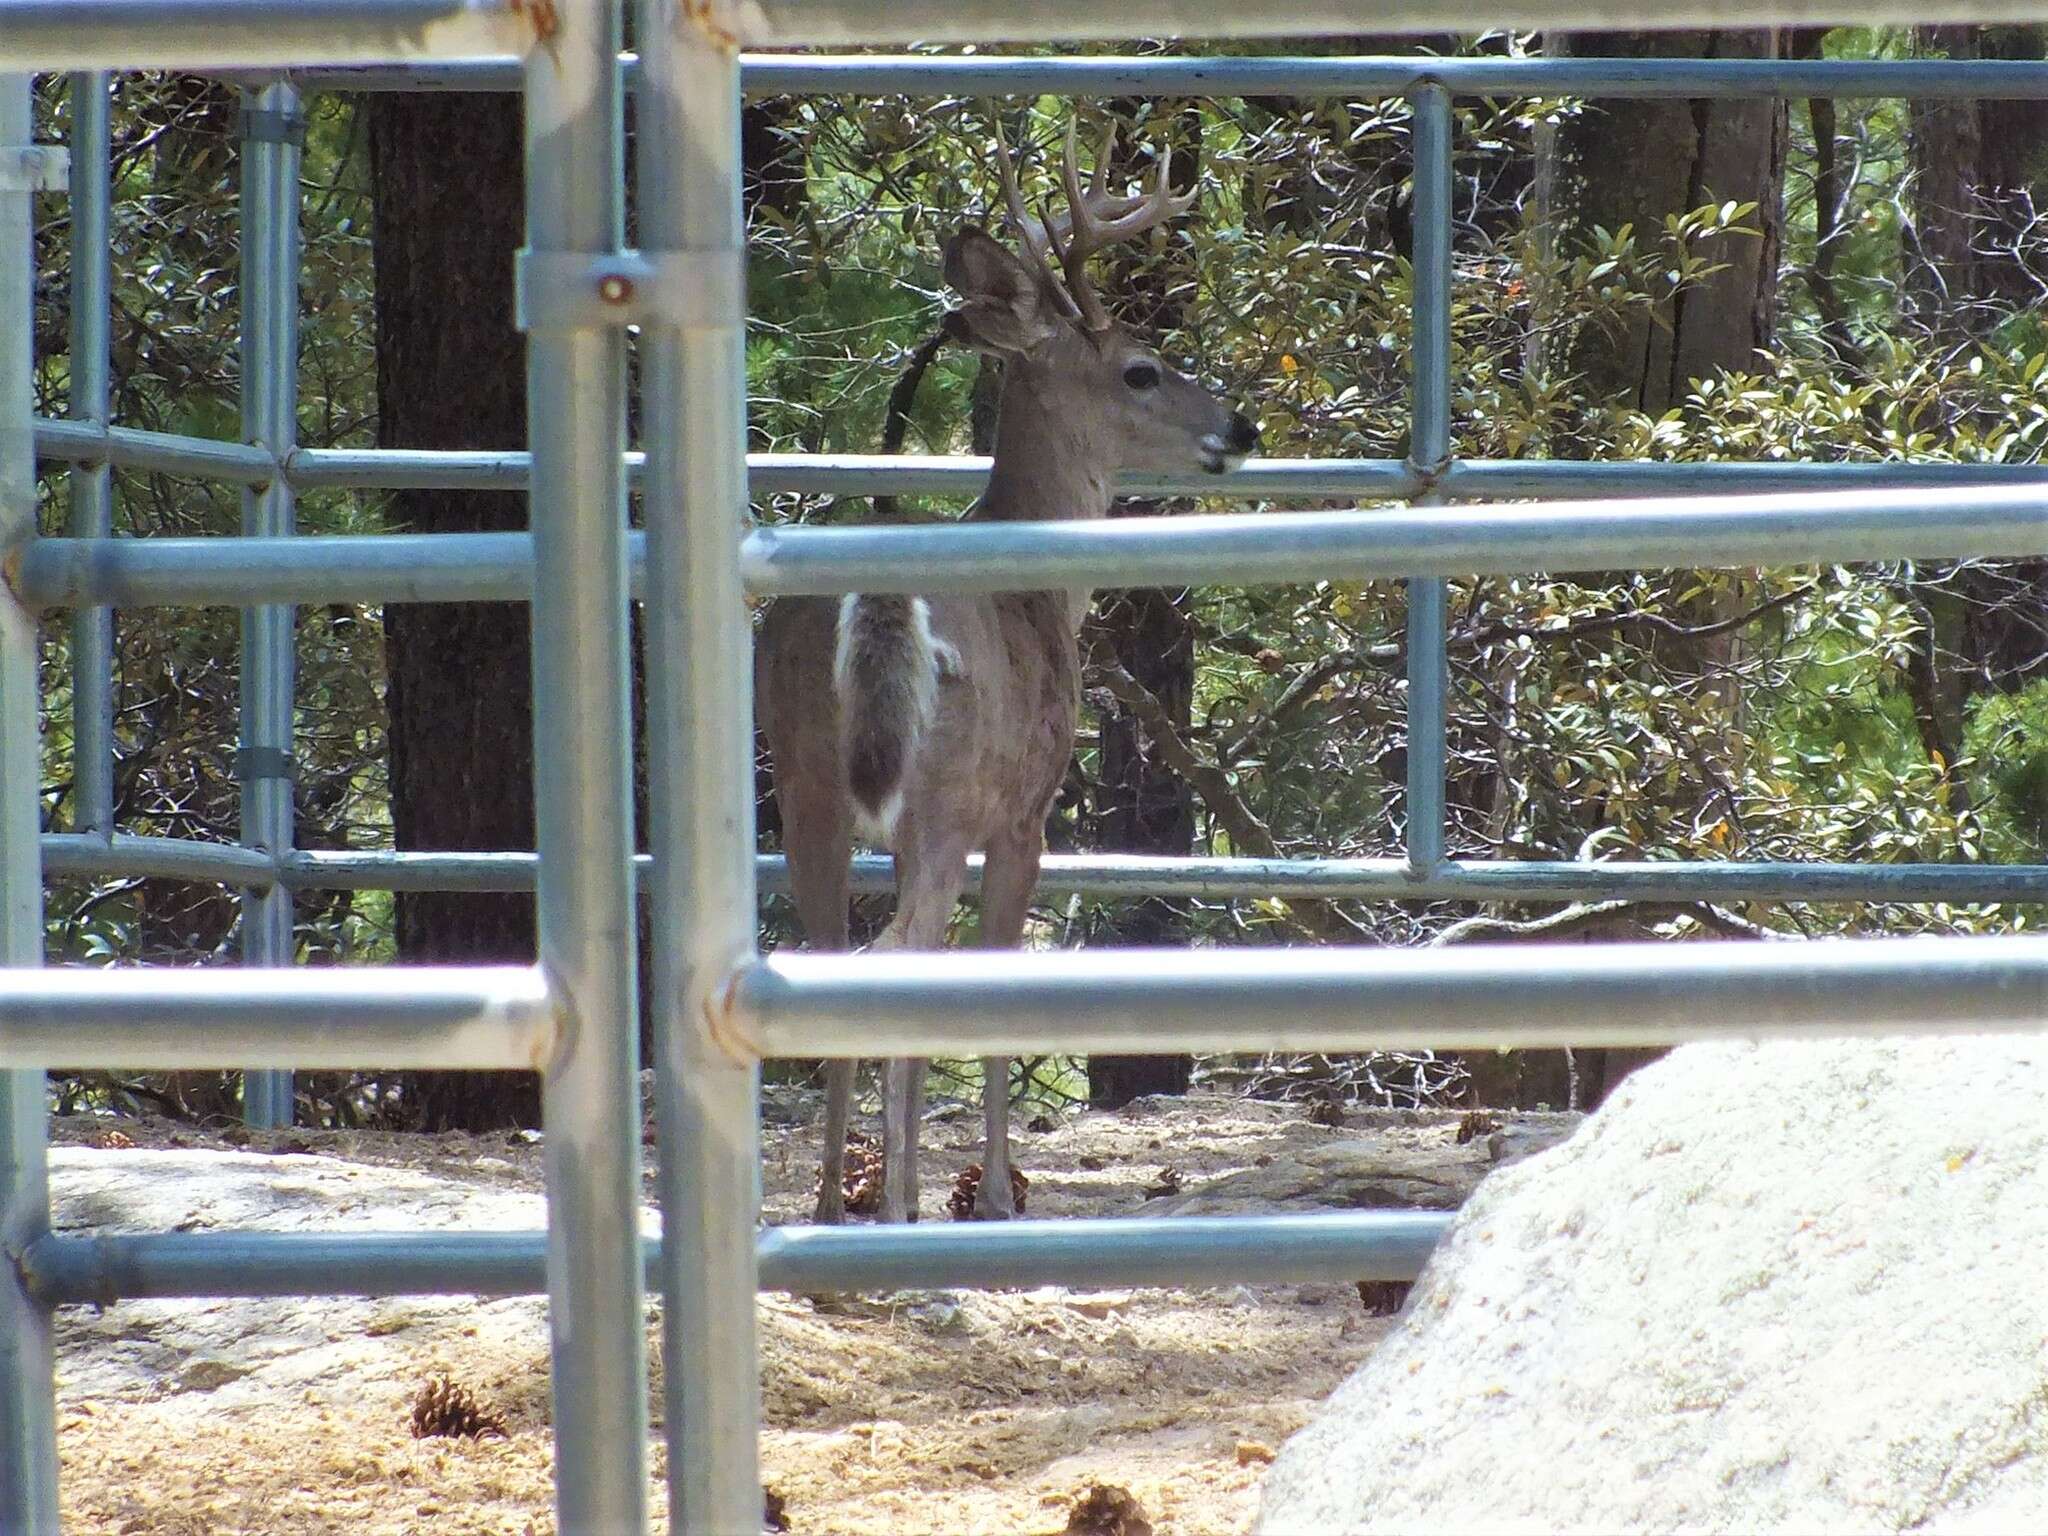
x=896, y=418
x=1248, y=835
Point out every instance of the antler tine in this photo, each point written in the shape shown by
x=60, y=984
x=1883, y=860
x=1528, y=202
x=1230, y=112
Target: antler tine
x=1028, y=232
x=1099, y=218
x=1082, y=239
x=1034, y=236
x=1098, y=184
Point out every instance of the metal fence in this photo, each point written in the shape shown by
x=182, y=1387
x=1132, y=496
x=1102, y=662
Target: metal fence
x=717, y=1005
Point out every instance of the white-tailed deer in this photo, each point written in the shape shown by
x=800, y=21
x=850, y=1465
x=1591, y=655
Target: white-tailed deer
x=942, y=725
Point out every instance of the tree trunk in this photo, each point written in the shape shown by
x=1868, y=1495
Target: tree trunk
x=1978, y=170
x=1140, y=804
x=1637, y=162
x=1976, y=167
x=447, y=182
x=1143, y=806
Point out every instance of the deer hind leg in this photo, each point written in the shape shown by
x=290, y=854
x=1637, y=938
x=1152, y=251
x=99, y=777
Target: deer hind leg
x=1008, y=879
x=928, y=883
x=819, y=842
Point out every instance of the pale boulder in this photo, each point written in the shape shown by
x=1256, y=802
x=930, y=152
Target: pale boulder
x=1790, y=1287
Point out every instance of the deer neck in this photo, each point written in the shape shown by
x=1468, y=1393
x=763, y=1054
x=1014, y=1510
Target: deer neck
x=1049, y=464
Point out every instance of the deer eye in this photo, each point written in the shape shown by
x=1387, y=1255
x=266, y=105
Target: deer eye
x=1142, y=376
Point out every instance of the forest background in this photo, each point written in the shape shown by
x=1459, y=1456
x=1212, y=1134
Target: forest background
x=1846, y=281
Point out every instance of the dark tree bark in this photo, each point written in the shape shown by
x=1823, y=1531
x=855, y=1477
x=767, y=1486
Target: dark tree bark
x=1143, y=806
x=1140, y=805
x=772, y=166
x=1977, y=167
x=1637, y=162
x=1973, y=256
x=447, y=181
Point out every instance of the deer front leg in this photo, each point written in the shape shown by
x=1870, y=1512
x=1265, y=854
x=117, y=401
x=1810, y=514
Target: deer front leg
x=839, y=1077
x=902, y=1112
x=1009, y=876
x=931, y=867
x=994, y=1200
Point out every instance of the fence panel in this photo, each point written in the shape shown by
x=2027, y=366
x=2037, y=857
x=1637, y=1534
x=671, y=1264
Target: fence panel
x=717, y=1005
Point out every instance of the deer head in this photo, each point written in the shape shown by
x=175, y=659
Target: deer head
x=1075, y=383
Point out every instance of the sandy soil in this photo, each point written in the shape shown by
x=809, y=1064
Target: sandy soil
x=919, y=1412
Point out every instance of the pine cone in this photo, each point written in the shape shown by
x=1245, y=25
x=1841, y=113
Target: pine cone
x=1107, y=1510
x=961, y=1202
x=1475, y=1123
x=1383, y=1298
x=443, y=1407
x=862, y=1181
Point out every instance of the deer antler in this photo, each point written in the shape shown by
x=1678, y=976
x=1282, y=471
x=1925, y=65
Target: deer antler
x=1095, y=218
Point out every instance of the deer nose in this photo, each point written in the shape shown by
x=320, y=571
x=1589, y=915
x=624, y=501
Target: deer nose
x=1244, y=433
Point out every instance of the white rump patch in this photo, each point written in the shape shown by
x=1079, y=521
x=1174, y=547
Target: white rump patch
x=931, y=659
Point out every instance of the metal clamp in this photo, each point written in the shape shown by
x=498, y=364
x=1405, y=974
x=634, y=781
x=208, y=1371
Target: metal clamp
x=34, y=168
x=686, y=289
x=262, y=127
x=253, y=764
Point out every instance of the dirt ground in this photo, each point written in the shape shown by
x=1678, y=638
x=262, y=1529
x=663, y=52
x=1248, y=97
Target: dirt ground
x=942, y=1412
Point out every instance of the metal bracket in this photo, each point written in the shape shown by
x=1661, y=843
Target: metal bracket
x=254, y=764
x=260, y=127
x=687, y=289
x=34, y=168
x=1431, y=475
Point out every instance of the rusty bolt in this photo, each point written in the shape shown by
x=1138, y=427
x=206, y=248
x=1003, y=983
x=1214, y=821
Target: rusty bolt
x=614, y=288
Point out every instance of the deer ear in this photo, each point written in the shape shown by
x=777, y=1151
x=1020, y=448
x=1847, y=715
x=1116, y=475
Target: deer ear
x=1007, y=308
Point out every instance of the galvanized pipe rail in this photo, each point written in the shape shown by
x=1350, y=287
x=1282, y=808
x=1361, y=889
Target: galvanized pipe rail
x=254, y=34
x=1242, y=549
x=1184, y=1251
x=1307, y=76
x=183, y=1020
x=272, y=137
x=83, y=856
x=1471, y=997
x=1118, y=874
x=718, y=1006
x=796, y=23
x=962, y=476
x=28, y=1399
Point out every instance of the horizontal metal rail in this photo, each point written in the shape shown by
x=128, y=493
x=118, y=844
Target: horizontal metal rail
x=206, y=458
x=1249, y=549
x=772, y=74
x=253, y=34
x=1239, y=549
x=160, y=1019
x=246, y=35
x=1112, y=874
x=1179, y=1252
x=792, y=23
x=82, y=855
x=964, y=475
x=1307, y=879
x=1465, y=998
x=76, y=856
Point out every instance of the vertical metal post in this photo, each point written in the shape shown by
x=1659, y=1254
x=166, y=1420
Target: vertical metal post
x=28, y=1414
x=92, y=498
x=700, y=752
x=273, y=132
x=575, y=382
x=1429, y=448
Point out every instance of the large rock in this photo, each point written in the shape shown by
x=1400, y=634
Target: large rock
x=1783, y=1287
x=1390, y=1159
